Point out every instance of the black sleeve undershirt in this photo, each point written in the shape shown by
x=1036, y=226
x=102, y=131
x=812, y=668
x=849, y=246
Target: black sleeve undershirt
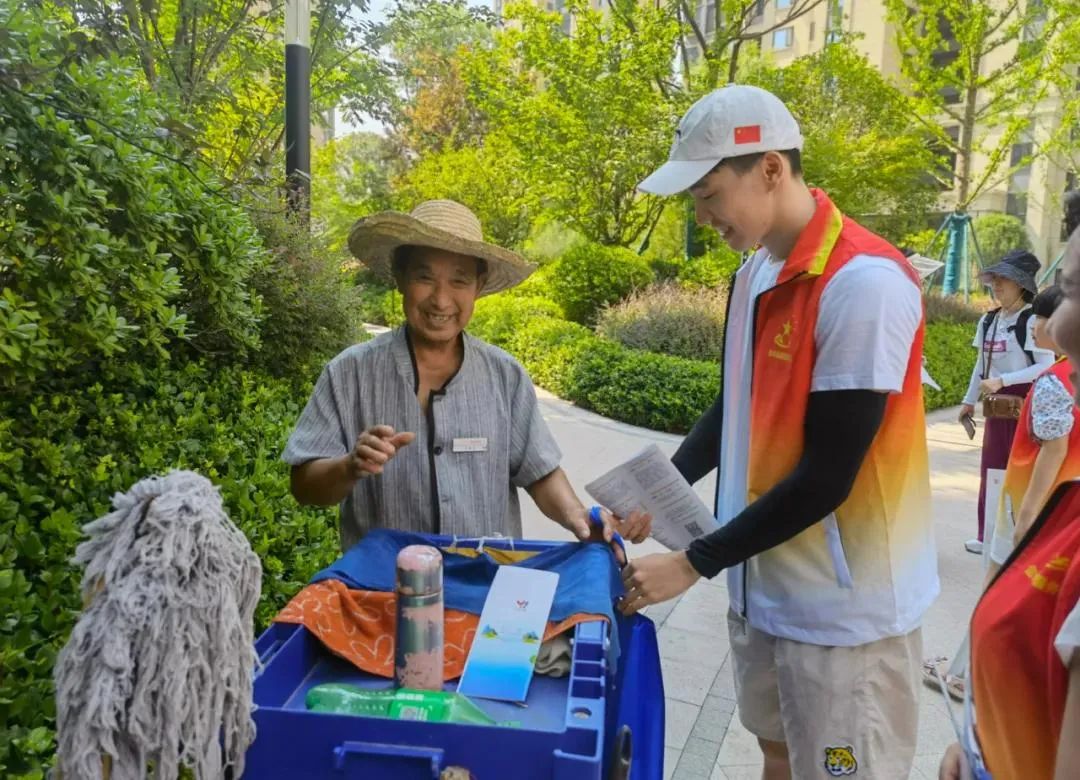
x=839, y=429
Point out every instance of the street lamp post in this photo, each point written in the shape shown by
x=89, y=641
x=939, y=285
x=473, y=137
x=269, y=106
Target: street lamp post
x=298, y=105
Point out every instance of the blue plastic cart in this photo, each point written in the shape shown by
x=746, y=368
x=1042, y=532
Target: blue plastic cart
x=568, y=726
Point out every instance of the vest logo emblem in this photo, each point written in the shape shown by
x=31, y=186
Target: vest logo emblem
x=1048, y=580
x=783, y=342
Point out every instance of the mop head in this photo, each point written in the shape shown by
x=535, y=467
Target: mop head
x=158, y=670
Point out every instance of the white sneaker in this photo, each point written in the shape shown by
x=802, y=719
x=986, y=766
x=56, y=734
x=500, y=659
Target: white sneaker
x=973, y=546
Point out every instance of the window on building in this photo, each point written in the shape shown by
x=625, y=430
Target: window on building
x=759, y=11
x=951, y=95
x=1016, y=205
x=813, y=29
x=783, y=39
x=1020, y=179
x=710, y=16
x=782, y=5
x=1070, y=185
x=1035, y=20
x=834, y=20
x=944, y=172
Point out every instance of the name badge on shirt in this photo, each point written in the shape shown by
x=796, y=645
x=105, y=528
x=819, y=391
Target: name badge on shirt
x=470, y=445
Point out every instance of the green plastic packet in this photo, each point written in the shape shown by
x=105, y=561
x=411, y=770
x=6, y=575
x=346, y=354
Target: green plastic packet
x=399, y=704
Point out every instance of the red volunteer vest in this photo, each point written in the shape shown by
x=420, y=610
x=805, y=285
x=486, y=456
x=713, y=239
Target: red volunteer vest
x=1019, y=681
x=870, y=570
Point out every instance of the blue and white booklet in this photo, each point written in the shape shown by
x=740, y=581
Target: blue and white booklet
x=512, y=624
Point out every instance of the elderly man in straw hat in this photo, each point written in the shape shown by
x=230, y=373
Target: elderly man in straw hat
x=426, y=428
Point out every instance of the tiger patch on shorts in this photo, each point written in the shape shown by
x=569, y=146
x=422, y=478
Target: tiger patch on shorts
x=840, y=761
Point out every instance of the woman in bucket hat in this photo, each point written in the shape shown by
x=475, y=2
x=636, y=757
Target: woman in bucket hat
x=426, y=428
x=1008, y=363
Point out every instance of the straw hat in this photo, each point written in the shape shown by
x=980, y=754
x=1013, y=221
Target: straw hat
x=440, y=224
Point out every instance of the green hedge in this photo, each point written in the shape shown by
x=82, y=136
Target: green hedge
x=589, y=277
x=949, y=358
x=149, y=320
x=642, y=388
x=64, y=456
x=652, y=390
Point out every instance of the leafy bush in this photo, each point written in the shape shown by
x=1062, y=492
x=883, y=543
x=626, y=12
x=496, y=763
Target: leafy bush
x=378, y=302
x=999, y=234
x=65, y=454
x=310, y=305
x=670, y=320
x=538, y=285
x=589, y=276
x=655, y=391
x=954, y=309
x=923, y=242
x=500, y=316
x=949, y=358
x=548, y=241
x=713, y=270
x=105, y=248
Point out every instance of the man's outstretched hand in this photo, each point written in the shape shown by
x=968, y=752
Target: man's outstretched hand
x=376, y=447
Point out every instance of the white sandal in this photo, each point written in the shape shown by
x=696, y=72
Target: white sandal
x=932, y=668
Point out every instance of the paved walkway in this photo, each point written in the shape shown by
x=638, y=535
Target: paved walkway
x=704, y=741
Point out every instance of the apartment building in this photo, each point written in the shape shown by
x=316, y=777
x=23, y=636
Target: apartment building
x=1033, y=193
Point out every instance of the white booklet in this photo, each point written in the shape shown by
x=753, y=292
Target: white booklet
x=650, y=482
x=503, y=654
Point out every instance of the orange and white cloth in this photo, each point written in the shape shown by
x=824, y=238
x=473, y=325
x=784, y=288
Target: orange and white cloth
x=359, y=626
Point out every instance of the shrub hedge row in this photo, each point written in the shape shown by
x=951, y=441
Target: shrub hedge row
x=642, y=388
x=650, y=389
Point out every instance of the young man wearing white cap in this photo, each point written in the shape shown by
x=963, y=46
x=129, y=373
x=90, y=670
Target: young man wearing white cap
x=818, y=433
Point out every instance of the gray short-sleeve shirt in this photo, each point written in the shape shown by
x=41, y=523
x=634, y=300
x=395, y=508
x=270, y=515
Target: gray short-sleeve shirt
x=482, y=438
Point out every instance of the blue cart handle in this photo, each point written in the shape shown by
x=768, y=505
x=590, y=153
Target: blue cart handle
x=596, y=518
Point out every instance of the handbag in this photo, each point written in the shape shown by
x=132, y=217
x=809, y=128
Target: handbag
x=1002, y=407
x=999, y=406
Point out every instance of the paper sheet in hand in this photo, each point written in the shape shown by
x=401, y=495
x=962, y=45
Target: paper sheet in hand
x=503, y=654
x=650, y=482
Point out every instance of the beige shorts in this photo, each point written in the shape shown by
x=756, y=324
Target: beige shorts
x=842, y=711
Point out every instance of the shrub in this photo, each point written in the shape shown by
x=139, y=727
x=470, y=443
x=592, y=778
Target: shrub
x=670, y=320
x=538, y=285
x=949, y=358
x=378, y=302
x=107, y=248
x=656, y=391
x=500, y=316
x=589, y=276
x=65, y=454
x=712, y=270
x=549, y=240
x=923, y=242
x=954, y=309
x=997, y=235
x=310, y=305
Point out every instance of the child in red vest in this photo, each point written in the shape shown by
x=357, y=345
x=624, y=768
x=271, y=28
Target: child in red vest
x=1024, y=698
x=1046, y=449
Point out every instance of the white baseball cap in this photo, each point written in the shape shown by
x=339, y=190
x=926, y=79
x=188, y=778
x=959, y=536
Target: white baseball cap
x=729, y=122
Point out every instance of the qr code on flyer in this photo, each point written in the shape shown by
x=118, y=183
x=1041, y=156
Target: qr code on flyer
x=694, y=529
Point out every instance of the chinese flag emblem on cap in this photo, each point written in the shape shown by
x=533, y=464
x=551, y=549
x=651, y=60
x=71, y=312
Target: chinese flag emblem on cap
x=750, y=134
